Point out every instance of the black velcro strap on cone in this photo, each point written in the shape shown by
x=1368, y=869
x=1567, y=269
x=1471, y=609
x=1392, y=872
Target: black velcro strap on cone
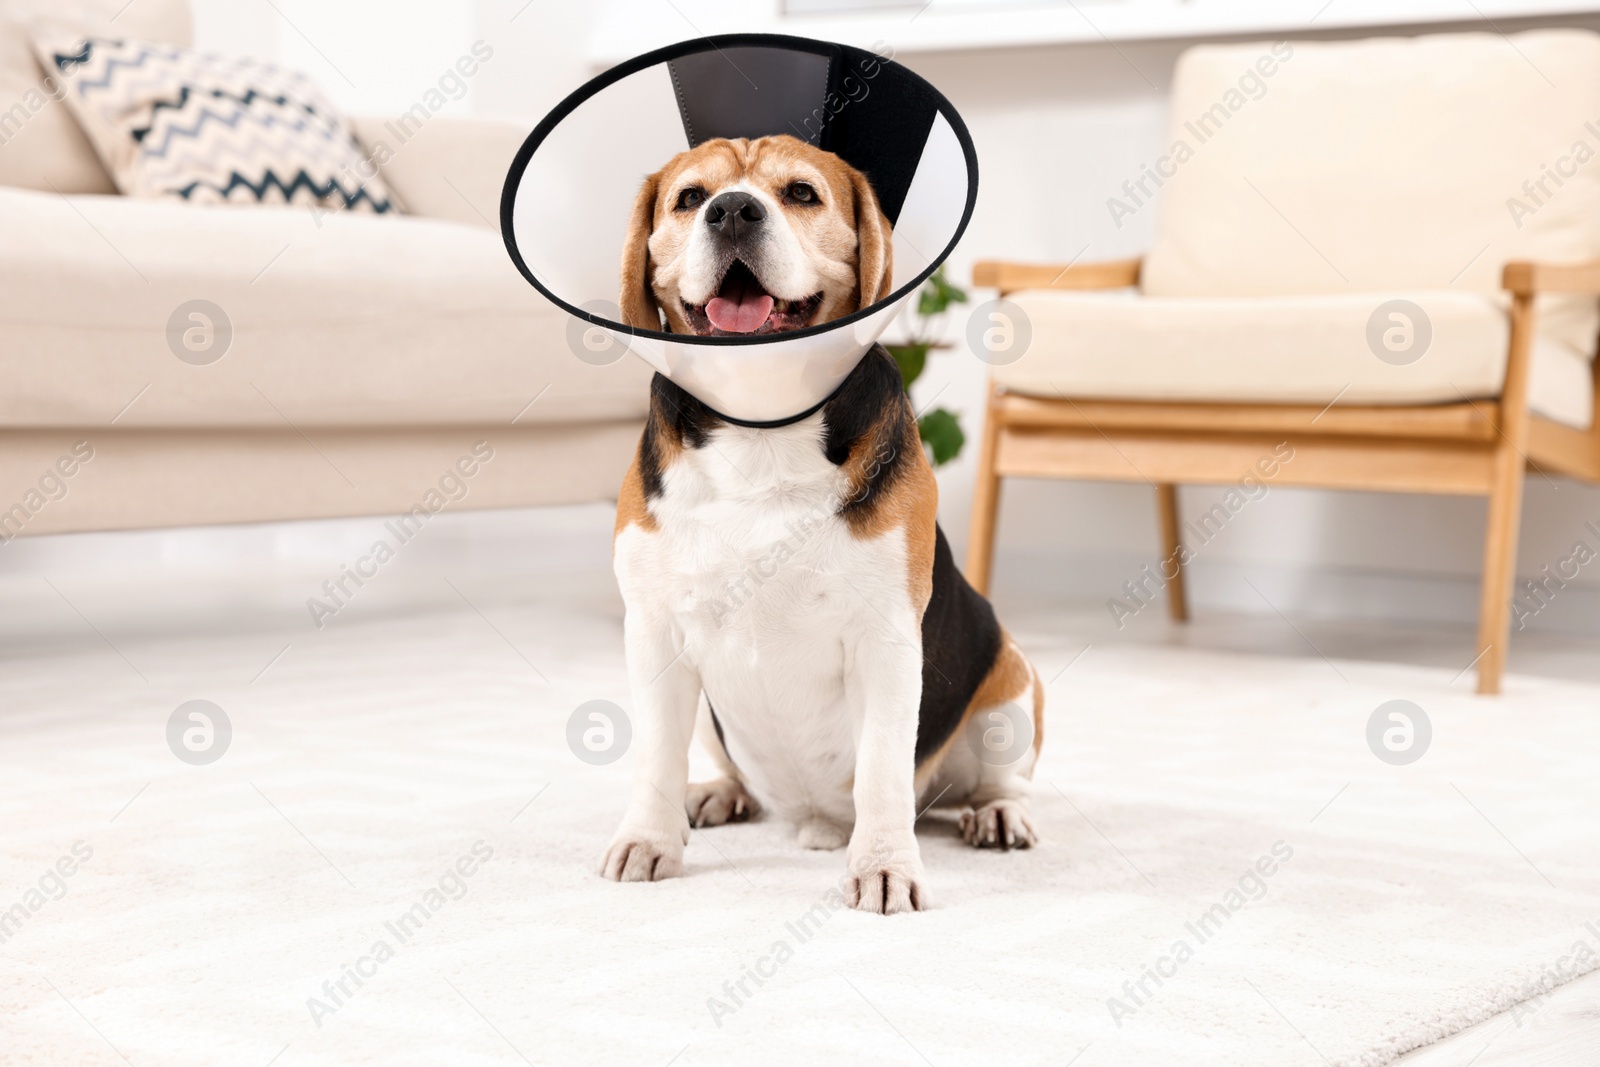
x=751, y=92
x=879, y=120
x=869, y=111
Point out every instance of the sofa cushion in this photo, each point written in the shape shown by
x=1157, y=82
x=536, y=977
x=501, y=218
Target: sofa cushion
x=173, y=122
x=1288, y=350
x=1381, y=165
x=342, y=319
x=41, y=144
x=448, y=168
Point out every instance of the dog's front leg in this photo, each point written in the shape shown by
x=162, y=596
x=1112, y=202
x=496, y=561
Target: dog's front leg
x=885, y=867
x=648, y=846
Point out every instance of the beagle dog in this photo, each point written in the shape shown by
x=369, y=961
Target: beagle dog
x=789, y=594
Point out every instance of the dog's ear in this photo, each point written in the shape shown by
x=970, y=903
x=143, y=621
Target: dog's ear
x=875, y=244
x=637, y=299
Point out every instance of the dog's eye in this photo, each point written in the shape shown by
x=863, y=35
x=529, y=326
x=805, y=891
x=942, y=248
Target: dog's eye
x=800, y=193
x=691, y=198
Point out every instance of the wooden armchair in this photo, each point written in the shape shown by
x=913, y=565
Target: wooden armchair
x=1345, y=261
x=1475, y=447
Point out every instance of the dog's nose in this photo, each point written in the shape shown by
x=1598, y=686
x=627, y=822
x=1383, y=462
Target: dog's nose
x=731, y=214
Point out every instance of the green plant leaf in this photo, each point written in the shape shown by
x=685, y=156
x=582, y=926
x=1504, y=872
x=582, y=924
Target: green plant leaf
x=941, y=431
x=933, y=300
x=937, y=295
x=953, y=294
x=911, y=358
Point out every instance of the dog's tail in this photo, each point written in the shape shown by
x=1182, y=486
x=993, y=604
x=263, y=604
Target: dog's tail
x=1038, y=716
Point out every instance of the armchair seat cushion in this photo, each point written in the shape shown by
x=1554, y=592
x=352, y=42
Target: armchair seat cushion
x=1279, y=350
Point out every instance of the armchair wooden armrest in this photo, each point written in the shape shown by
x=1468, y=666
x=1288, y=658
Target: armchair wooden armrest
x=1009, y=277
x=1525, y=279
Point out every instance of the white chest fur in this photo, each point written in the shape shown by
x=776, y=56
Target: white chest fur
x=766, y=594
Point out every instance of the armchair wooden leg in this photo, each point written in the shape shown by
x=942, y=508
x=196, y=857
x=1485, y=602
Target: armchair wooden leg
x=1499, y=567
x=1177, y=595
x=1508, y=469
x=985, y=502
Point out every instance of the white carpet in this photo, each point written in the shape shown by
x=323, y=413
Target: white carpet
x=373, y=755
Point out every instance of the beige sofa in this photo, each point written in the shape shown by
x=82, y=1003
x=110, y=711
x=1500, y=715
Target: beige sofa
x=367, y=353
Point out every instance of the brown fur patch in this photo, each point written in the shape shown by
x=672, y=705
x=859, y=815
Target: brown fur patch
x=875, y=243
x=637, y=302
x=1007, y=679
x=631, y=507
x=911, y=503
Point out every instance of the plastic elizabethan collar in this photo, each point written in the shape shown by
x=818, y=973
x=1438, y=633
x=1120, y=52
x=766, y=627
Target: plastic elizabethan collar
x=569, y=194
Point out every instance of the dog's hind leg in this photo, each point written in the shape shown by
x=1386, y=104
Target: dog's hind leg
x=987, y=768
x=724, y=799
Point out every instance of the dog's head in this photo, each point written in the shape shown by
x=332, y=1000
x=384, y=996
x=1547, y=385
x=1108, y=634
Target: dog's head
x=747, y=237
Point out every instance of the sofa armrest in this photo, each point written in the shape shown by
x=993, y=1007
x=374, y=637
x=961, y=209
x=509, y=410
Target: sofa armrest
x=1009, y=277
x=1525, y=279
x=448, y=168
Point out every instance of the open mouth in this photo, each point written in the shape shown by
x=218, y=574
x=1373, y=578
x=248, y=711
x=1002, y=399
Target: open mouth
x=743, y=307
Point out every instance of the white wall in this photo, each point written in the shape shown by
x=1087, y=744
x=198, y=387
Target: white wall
x=1058, y=130
x=370, y=56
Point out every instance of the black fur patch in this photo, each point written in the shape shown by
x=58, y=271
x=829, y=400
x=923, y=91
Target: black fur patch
x=870, y=407
x=960, y=643
x=677, y=417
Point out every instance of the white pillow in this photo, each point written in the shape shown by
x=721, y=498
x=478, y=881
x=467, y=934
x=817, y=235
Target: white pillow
x=174, y=123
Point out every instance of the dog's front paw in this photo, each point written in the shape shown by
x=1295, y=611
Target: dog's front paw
x=1002, y=824
x=635, y=858
x=886, y=886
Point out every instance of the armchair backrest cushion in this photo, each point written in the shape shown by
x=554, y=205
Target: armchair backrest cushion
x=41, y=144
x=1378, y=165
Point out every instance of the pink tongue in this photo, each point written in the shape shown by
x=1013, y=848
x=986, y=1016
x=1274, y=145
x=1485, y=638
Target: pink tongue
x=744, y=315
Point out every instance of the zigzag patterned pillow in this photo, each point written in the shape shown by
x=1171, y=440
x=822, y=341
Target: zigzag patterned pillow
x=170, y=122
